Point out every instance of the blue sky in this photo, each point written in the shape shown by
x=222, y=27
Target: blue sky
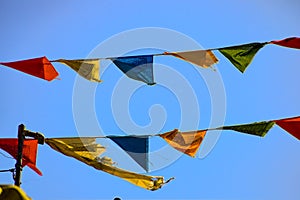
x=239, y=166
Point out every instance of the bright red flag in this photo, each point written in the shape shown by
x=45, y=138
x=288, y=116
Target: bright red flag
x=292, y=42
x=39, y=67
x=291, y=125
x=10, y=145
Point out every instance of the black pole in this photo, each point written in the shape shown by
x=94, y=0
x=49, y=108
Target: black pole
x=18, y=165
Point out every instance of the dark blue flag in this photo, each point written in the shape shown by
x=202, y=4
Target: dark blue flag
x=136, y=147
x=137, y=67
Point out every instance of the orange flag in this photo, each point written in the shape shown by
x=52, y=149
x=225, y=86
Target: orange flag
x=38, y=67
x=202, y=58
x=291, y=125
x=186, y=142
x=10, y=145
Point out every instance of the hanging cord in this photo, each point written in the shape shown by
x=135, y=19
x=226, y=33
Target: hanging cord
x=6, y=155
x=8, y=170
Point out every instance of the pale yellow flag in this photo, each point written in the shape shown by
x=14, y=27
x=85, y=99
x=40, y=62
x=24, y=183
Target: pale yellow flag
x=86, y=150
x=87, y=68
x=202, y=58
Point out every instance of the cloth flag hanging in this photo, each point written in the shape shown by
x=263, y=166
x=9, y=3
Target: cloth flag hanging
x=242, y=55
x=291, y=125
x=202, y=58
x=257, y=128
x=137, y=67
x=186, y=142
x=10, y=145
x=63, y=146
x=292, y=42
x=87, y=68
x=136, y=147
x=38, y=67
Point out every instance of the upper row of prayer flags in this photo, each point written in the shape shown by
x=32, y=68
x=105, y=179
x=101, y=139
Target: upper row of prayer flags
x=141, y=67
x=86, y=150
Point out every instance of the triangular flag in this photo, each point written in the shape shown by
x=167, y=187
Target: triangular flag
x=39, y=67
x=10, y=145
x=137, y=67
x=136, y=147
x=292, y=42
x=87, y=68
x=202, y=58
x=291, y=125
x=242, y=55
x=186, y=142
x=62, y=145
x=257, y=128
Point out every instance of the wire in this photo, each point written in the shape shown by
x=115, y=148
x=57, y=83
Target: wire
x=6, y=155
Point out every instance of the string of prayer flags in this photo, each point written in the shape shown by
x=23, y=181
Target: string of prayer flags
x=10, y=145
x=186, y=142
x=38, y=67
x=136, y=67
x=256, y=128
x=136, y=147
x=87, y=68
x=291, y=125
x=202, y=58
x=79, y=151
x=292, y=42
x=242, y=55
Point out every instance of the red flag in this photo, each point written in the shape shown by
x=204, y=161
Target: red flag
x=39, y=67
x=291, y=125
x=292, y=42
x=10, y=145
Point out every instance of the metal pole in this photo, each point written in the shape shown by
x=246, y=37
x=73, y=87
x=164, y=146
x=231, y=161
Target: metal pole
x=18, y=165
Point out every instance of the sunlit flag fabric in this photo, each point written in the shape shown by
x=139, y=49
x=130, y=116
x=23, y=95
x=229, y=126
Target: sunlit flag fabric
x=291, y=125
x=10, y=145
x=136, y=147
x=64, y=146
x=242, y=55
x=137, y=67
x=87, y=68
x=292, y=42
x=12, y=192
x=202, y=58
x=38, y=67
x=256, y=128
x=186, y=142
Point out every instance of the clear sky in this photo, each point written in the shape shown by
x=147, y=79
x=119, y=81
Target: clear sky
x=239, y=166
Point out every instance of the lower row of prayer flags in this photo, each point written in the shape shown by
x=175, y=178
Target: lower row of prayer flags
x=141, y=67
x=88, y=151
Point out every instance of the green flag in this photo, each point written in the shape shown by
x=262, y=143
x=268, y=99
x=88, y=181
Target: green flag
x=257, y=128
x=241, y=56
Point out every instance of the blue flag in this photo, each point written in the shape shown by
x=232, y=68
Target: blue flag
x=137, y=67
x=136, y=147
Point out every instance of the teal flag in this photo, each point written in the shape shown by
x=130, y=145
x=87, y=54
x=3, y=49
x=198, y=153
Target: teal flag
x=242, y=55
x=257, y=128
x=136, y=147
x=137, y=67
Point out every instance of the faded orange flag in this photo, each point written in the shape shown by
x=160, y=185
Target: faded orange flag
x=186, y=142
x=202, y=58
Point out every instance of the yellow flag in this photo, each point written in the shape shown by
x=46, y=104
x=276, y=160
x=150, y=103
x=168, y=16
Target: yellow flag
x=87, y=151
x=186, y=142
x=87, y=68
x=202, y=58
x=9, y=192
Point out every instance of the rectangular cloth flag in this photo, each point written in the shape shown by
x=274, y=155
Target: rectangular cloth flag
x=291, y=125
x=38, y=67
x=186, y=142
x=202, y=58
x=257, y=128
x=136, y=147
x=136, y=67
x=292, y=42
x=87, y=68
x=10, y=145
x=64, y=146
x=242, y=55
